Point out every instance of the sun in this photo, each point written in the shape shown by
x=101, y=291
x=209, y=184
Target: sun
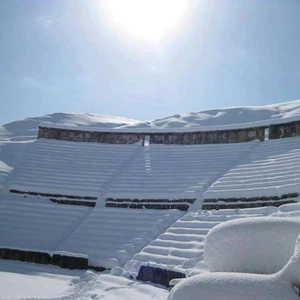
x=149, y=20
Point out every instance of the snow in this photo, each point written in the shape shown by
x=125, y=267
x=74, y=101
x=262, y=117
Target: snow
x=175, y=171
x=126, y=238
x=109, y=236
x=180, y=247
x=46, y=282
x=123, y=171
x=32, y=281
x=271, y=169
x=236, y=286
x=70, y=168
x=37, y=223
x=223, y=118
x=261, y=245
x=16, y=137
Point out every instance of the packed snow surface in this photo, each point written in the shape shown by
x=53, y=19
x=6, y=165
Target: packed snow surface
x=33, y=281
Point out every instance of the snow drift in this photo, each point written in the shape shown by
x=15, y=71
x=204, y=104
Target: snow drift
x=261, y=245
x=237, y=286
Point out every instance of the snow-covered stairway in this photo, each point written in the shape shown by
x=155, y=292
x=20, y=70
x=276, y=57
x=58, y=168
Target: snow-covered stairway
x=111, y=236
x=180, y=248
x=269, y=176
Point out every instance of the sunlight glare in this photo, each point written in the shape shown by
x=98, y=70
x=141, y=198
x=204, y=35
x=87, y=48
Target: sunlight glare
x=146, y=19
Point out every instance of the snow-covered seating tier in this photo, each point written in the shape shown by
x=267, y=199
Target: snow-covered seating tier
x=180, y=248
x=69, y=170
x=37, y=223
x=174, y=172
x=111, y=236
x=270, y=175
x=107, y=236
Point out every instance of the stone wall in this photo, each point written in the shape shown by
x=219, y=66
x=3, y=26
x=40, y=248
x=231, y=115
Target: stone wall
x=63, y=261
x=181, y=204
x=181, y=138
x=209, y=137
x=284, y=130
x=237, y=203
x=89, y=136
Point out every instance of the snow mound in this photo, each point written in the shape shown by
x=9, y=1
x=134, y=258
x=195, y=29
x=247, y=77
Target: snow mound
x=237, y=286
x=233, y=286
x=232, y=117
x=260, y=245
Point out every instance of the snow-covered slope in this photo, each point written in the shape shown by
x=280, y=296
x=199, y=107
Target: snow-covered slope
x=16, y=137
x=271, y=169
x=111, y=236
x=232, y=117
x=70, y=168
x=176, y=172
x=37, y=223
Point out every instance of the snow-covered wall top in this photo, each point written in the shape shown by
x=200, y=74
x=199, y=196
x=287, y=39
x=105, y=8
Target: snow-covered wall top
x=215, y=119
x=209, y=120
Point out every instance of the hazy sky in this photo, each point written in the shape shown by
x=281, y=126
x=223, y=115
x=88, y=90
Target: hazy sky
x=67, y=56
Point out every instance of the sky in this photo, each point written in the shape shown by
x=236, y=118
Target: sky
x=76, y=56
